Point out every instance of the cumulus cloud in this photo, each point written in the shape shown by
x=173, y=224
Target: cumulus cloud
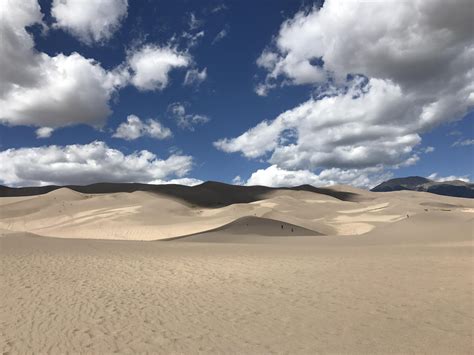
x=90, y=21
x=278, y=177
x=428, y=150
x=68, y=90
x=195, y=77
x=438, y=178
x=63, y=90
x=181, y=181
x=44, y=132
x=382, y=73
x=423, y=47
x=152, y=64
x=48, y=91
x=87, y=164
x=415, y=44
x=263, y=89
x=17, y=44
x=356, y=129
x=135, y=128
x=185, y=120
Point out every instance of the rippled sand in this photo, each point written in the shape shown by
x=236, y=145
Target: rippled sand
x=298, y=295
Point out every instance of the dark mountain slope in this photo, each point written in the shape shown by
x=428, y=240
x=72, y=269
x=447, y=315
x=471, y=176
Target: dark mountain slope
x=455, y=188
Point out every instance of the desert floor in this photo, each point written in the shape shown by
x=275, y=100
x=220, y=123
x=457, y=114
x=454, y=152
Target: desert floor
x=404, y=286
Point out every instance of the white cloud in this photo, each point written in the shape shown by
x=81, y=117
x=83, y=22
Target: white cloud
x=181, y=181
x=86, y=164
x=359, y=128
x=219, y=8
x=68, y=90
x=412, y=160
x=418, y=44
x=17, y=46
x=237, y=180
x=221, y=35
x=263, y=89
x=435, y=177
x=383, y=73
x=192, y=39
x=152, y=64
x=428, y=150
x=463, y=143
x=64, y=90
x=48, y=91
x=195, y=77
x=135, y=128
x=423, y=47
x=255, y=142
x=184, y=120
x=44, y=132
x=90, y=21
x=277, y=177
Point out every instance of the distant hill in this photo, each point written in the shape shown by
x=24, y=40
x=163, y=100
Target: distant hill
x=454, y=188
x=207, y=194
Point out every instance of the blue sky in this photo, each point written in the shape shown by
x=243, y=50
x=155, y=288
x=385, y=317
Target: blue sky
x=353, y=115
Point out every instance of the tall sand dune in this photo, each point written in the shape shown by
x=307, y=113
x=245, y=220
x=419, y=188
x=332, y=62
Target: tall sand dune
x=151, y=215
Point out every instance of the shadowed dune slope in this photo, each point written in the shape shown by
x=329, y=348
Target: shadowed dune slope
x=208, y=194
x=245, y=226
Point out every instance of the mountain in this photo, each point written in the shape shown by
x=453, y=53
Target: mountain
x=454, y=188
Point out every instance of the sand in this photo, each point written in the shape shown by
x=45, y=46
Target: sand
x=239, y=283
x=140, y=215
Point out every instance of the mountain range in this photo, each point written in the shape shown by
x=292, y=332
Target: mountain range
x=455, y=188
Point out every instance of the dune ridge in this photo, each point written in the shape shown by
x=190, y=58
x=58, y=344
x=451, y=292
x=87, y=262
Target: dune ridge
x=207, y=194
x=170, y=211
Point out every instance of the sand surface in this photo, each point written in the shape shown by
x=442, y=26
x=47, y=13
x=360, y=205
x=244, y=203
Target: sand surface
x=291, y=273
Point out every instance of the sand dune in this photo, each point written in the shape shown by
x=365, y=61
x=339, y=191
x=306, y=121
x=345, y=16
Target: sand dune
x=142, y=215
x=336, y=270
x=207, y=194
x=249, y=229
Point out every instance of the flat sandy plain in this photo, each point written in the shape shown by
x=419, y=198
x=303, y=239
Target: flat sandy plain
x=293, y=272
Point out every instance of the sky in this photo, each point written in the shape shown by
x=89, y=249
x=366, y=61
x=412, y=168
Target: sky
x=270, y=92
